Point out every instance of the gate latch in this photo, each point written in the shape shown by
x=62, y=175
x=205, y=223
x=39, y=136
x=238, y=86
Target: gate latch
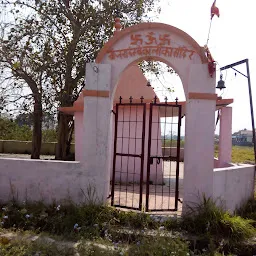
x=151, y=159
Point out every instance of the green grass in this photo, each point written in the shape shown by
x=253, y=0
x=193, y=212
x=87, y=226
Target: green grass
x=28, y=248
x=214, y=230
x=209, y=219
x=60, y=220
x=94, y=250
x=160, y=246
x=240, y=154
x=172, y=143
x=248, y=210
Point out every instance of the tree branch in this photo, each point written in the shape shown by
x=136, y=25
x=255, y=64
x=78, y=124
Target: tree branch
x=46, y=16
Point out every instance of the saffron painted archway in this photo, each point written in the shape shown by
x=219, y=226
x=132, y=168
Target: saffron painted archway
x=152, y=41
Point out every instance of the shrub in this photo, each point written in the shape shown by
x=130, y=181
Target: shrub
x=171, y=224
x=236, y=228
x=49, y=135
x=207, y=218
x=248, y=209
x=203, y=217
x=10, y=130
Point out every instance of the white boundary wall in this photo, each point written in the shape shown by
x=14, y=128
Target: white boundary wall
x=47, y=180
x=232, y=186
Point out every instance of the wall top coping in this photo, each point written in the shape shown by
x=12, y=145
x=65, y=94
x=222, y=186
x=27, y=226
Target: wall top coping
x=234, y=168
x=40, y=161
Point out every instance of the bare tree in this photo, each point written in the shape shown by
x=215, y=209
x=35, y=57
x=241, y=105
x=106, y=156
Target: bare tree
x=48, y=49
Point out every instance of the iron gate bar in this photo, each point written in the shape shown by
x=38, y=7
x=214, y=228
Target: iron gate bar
x=142, y=153
x=149, y=151
x=141, y=156
x=170, y=160
x=164, y=146
x=114, y=159
x=127, y=167
x=134, y=166
x=121, y=151
x=178, y=161
x=157, y=149
x=133, y=155
x=152, y=105
x=166, y=158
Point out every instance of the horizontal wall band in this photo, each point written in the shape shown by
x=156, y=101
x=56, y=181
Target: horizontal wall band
x=79, y=106
x=72, y=110
x=95, y=93
x=202, y=96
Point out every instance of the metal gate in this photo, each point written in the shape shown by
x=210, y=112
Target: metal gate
x=128, y=160
x=162, y=192
x=152, y=183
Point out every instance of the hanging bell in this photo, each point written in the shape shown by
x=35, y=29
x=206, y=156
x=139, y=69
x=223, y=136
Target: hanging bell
x=221, y=83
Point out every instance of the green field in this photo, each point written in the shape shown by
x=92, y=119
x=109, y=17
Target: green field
x=172, y=143
x=240, y=154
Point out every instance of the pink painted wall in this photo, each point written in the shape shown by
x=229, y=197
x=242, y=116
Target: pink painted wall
x=156, y=169
x=133, y=83
x=225, y=139
x=129, y=141
x=78, y=136
x=217, y=164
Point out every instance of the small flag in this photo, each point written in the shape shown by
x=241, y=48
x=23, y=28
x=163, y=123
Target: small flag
x=214, y=10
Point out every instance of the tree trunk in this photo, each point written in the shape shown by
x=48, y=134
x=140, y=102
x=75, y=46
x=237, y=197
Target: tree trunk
x=63, y=136
x=70, y=136
x=37, y=128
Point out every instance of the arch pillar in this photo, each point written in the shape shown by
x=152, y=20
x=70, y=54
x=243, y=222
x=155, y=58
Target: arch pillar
x=97, y=128
x=199, y=136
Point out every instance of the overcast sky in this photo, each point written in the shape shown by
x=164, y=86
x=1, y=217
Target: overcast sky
x=232, y=38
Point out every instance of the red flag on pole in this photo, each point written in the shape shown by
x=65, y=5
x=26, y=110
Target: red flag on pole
x=214, y=10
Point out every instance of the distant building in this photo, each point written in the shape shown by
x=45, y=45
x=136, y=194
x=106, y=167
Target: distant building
x=242, y=138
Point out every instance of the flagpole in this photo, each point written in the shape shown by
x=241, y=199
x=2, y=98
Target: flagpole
x=209, y=32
